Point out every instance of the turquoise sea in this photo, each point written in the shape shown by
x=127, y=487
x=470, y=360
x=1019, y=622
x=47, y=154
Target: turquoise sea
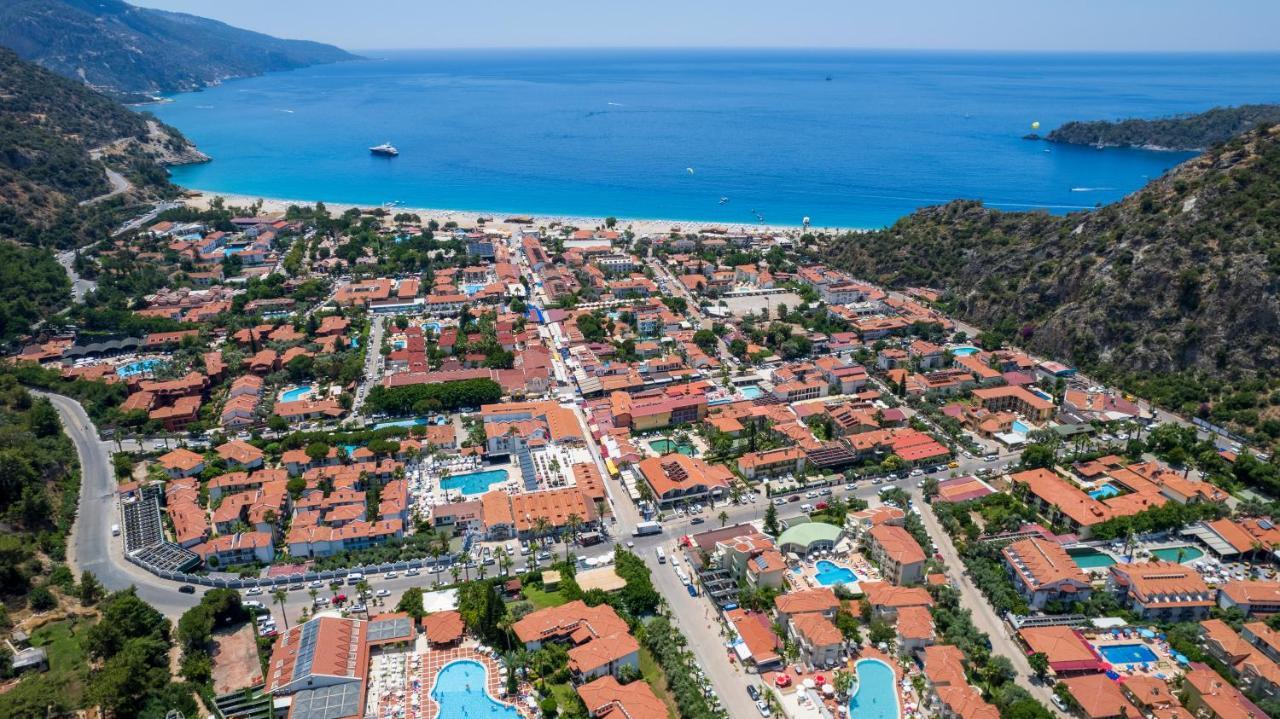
x=849, y=139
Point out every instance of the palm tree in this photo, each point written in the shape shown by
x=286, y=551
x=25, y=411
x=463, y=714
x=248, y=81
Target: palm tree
x=280, y=595
x=540, y=528
x=504, y=561
x=574, y=523
x=314, y=593
x=456, y=571
x=362, y=588
x=724, y=518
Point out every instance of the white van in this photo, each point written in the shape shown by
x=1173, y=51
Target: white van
x=662, y=556
x=355, y=578
x=115, y=530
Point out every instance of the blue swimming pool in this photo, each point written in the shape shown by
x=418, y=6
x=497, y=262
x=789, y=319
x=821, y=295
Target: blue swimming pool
x=475, y=482
x=295, y=394
x=1020, y=427
x=963, y=351
x=830, y=573
x=416, y=422
x=433, y=326
x=139, y=367
x=461, y=694
x=1128, y=654
x=1104, y=491
x=472, y=289
x=750, y=391
x=875, y=697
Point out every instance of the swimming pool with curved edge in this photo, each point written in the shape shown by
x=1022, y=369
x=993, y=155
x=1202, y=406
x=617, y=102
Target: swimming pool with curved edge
x=460, y=693
x=875, y=697
x=830, y=573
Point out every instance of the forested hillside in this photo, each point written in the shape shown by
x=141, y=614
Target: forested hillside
x=1182, y=132
x=123, y=49
x=1174, y=291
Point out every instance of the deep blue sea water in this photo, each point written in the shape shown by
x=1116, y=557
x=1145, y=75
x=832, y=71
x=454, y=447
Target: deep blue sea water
x=614, y=132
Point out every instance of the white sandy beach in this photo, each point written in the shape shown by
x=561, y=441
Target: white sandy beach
x=275, y=205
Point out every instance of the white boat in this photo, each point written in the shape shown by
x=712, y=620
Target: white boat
x=386, y=149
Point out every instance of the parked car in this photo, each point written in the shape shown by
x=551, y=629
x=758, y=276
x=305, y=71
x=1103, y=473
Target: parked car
x=411, y=572
x=753, y=692
x=187, y=589
x=382, y=593
x=295, y=587
x=253, y=592
x=697, y=520
x=763, y=708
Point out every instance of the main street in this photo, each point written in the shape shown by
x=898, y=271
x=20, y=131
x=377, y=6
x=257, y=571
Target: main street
x=983, y=614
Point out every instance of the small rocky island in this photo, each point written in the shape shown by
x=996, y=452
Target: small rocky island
x=1181, y=132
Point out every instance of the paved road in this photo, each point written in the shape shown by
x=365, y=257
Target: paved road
x=984, y=615
x=79, y=286
x=119, y=185
x=372, y=363
x=92, y=547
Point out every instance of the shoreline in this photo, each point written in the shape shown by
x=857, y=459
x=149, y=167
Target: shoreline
x=201, y=199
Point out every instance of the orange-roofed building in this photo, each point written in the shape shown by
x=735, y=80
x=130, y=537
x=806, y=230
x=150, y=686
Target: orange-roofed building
x=887, y=599
x=599, y=640
x=181, y=462
x=443, y=629
x=1209, y=696
x=240, y=454
x=1060, y=501
x=1043, y=572
x=605, y=698
x=321, y=665
x=677, y=478
x=1250, y=596
x=1100, y=697
x=758, y=639
x=915, y=628
x=898, y=554
x=1164, y=591
x=817, y=639
x=1067, y=651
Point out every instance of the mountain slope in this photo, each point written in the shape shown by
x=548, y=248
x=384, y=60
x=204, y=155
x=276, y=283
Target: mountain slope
x=1181, y=132
x=123, y=49
x=56, y=139
x=1174, y=291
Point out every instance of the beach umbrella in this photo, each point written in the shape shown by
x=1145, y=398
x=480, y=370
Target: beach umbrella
x=809, y=683
x=1148, y=634
x=828, y=689
x=1181, y=659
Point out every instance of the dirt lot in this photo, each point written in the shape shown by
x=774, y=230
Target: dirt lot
x=739, y=306
x=235, y=660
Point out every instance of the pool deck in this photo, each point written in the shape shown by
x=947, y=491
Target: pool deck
x=433, y=661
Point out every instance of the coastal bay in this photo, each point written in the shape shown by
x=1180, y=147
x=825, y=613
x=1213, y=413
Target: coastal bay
x=850, y=139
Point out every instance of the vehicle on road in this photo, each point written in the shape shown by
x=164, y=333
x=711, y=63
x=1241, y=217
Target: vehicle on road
x=187, y=589
x=763, y=708
x=317, y=584
x=355, y=578
x=793, y=498
x=646, y=528
x=115, y=530
x=697, y=520
x=390, y=575
x=411, y=572
x=382, y=593
x=662, y=556
x=753, y=692
x=295, y=587
x=1057, y=702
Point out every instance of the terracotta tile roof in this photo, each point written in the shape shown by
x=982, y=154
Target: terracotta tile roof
x=817, y=629
x=443, y=627
x=915, y=623
x=180, y=459
x=897, y=543
x=1099, y=696
x=605, y=698
x=808, y=600
x=1041, y=564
